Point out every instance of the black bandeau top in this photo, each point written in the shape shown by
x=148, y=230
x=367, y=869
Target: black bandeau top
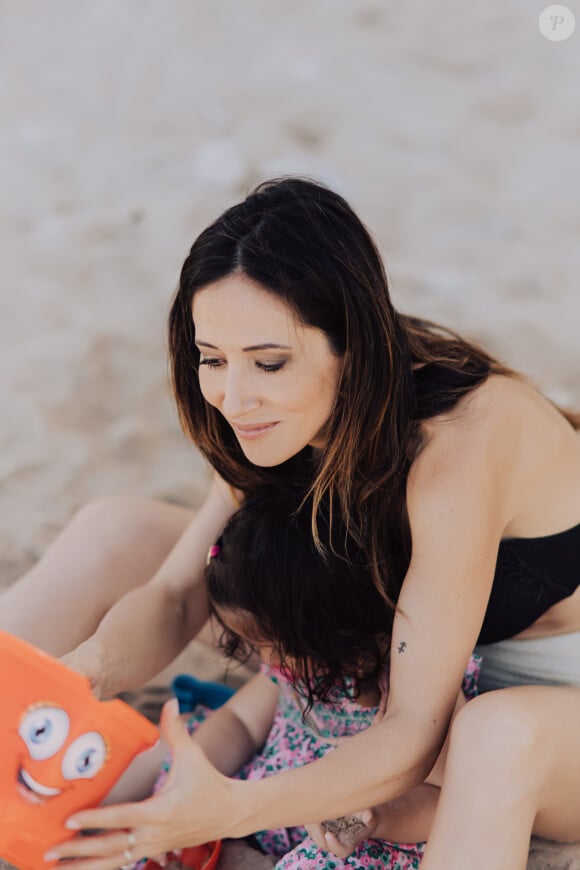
x=531, y=575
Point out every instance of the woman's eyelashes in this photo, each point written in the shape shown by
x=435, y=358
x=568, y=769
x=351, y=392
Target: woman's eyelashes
x=264, y=367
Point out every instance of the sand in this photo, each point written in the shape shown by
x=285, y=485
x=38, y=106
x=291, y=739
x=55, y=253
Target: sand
x=452, y=128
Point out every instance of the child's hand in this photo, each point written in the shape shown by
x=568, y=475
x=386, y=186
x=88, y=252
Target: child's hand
x=406, y=819
x=342, y=836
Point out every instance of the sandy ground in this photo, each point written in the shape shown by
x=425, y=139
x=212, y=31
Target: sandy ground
x=453, y=128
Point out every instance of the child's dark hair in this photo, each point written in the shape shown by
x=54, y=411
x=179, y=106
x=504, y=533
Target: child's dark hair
x=322, y=612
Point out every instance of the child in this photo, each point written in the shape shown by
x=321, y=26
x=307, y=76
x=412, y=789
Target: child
x=322, y=632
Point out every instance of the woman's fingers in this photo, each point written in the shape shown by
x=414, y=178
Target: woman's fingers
x=99, y=852
x=112, y=817
x=86, y=661
x=98, y=864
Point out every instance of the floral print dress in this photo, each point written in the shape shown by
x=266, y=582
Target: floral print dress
x=293, y=742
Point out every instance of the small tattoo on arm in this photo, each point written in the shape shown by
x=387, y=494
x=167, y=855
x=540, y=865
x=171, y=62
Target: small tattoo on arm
x=402, y=647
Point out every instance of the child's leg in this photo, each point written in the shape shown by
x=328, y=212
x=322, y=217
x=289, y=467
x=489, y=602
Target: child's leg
x=149, y=769
x=138, y=780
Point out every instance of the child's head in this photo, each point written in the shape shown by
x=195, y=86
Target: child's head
x=268, y=584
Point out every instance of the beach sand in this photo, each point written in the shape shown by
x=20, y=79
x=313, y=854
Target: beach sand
x=453, y=129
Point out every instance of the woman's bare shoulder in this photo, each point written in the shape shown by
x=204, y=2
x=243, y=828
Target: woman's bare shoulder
x=469, y=447
x=505, y=428
x=492, y=401
x=501, y=405
x=473, y=425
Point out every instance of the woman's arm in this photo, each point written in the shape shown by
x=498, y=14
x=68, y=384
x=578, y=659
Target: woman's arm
x=148, y=627
x=458, y=505
x=406, y=819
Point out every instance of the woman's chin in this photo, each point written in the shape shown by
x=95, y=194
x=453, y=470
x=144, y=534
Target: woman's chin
x=266, y=462
x=267, y=458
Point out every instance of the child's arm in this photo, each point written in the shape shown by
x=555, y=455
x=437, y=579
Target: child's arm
x=236, y=731
x=229, y=738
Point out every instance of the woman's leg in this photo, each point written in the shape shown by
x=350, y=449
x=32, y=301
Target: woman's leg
x=110, y=546
x=513, y=768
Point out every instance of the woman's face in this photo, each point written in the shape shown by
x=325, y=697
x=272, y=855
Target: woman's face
x=273, y=378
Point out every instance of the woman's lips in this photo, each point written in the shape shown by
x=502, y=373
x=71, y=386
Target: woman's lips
x=251, y=432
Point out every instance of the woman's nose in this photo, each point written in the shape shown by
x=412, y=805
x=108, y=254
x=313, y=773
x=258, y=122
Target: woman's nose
x=238, y=397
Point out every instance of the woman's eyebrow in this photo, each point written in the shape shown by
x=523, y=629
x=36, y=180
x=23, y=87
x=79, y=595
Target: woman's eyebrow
x=246, y=349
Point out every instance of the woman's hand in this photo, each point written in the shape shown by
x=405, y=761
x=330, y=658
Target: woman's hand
x=86, y=660
x=188, y=810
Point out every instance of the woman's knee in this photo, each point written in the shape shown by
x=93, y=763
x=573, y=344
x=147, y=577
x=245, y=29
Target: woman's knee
x=496, y=736
x=121, y=520
x=108, y=510
x=124, y=539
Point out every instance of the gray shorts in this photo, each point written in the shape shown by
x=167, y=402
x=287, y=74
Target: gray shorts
x=544, y=661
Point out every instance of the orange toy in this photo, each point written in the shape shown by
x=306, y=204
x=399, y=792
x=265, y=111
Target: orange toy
x=195, y=858
x=61, y=750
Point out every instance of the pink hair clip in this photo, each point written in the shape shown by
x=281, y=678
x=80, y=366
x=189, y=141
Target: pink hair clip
x=212, y=553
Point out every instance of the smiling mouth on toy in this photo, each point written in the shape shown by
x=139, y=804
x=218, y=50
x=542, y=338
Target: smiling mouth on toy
x=33, y=790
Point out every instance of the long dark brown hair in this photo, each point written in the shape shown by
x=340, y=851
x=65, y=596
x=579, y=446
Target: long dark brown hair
x=323, y=616
x=303, y=243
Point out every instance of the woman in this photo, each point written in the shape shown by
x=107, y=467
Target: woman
x=321, y=680
x=290, y=364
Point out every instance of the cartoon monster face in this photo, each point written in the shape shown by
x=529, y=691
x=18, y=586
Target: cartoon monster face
x=57, y=755
x=53, y=758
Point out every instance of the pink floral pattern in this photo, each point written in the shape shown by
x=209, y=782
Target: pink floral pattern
x=293, y=742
